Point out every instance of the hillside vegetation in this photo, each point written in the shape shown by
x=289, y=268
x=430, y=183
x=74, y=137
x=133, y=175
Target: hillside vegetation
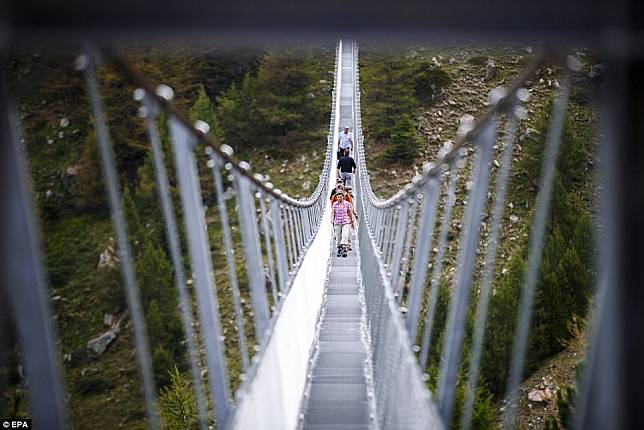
x=270, y=105
x=412, y=103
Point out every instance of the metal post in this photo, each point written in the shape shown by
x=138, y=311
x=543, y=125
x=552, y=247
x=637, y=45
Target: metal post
x=217, y=164
x=252, y=251
x=176, y=255
x=606, y=381
x=292, y=234
x=400, y=241
x=421, y=259
x=192, y=203
x=437, y=268
x=500, y=188
x=455, y=333
x=120, y=226
x=409, y=237
x=392, y=238
x=280, y=245
x=267, y=244
x=289, y=237
x=25, y=280
x=553, y=141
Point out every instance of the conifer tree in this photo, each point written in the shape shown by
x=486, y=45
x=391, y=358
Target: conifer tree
x=177, y=403
x=155, y=282
x=501, y=325
x=89, y=185
x=238, y=117
x=203, y=110
x=392, y=107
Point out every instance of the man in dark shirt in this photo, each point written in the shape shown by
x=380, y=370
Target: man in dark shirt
x=346, y=168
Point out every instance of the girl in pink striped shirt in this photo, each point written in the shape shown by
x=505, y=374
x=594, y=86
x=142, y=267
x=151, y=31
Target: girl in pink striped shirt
x=342, y=219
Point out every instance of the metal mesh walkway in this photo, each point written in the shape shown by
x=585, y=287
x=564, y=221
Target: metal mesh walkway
x=337, y=393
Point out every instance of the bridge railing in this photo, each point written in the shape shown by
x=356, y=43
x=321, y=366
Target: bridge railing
x=213, y=208
x=275, y=232
x=404, y=247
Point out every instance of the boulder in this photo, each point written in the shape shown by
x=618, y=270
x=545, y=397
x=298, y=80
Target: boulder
x=99, y=344
x=540, y=395
x=596, y=71
x=490, y=70
x=108, y=258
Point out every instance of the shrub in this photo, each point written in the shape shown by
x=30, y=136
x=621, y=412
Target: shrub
x=93, y=384
x=89, y=185
x=429, y=82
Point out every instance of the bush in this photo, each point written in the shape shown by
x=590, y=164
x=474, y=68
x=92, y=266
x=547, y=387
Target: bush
x=429, y=82
x=93, y=384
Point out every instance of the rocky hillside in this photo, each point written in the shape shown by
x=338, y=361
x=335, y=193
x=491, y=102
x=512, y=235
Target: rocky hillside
x=423, y=93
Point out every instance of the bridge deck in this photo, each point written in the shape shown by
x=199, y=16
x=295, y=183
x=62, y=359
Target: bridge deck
x=337, y=392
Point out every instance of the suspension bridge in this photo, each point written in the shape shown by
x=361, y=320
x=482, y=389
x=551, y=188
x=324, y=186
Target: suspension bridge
x=340, y=343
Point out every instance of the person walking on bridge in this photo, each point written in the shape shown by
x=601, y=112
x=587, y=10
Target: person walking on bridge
x=342, y=219
x=339, y=188
x=346, y=168
x=354, y=215
x=344, y=142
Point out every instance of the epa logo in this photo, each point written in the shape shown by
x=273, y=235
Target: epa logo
x=15, y=423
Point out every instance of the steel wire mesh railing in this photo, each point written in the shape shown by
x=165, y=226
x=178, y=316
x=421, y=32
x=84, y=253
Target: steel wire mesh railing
x=403, y=241
x=287, y=225
x=244, y=239
x=406, y=231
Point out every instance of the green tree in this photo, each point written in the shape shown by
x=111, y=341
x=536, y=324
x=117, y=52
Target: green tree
x=203, y=110
x=284, y=90
x=177, y=403
x=484, y=414
x=89, y=185
x=281, y=105
x=240, y=121
x=501, y=325
x=391, y=104
x=429, y=82
x=160, y=304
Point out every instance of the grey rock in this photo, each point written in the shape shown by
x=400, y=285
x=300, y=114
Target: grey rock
x=596, y=70
x=540, y=395
x=99, y=344
x=108, y=258
x=490, y=70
